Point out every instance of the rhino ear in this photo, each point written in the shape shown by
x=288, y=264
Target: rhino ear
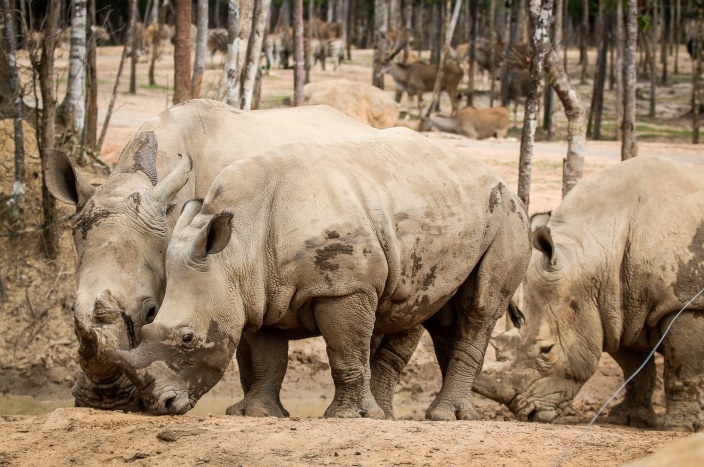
x=542, y=240
x=215, y=237
x=539, y=219
x=188, y=212
x=62, y=179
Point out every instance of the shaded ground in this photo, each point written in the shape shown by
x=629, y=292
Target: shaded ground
x=38, y=349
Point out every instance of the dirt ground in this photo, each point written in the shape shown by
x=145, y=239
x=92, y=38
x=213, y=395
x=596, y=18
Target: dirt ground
x=38, y=349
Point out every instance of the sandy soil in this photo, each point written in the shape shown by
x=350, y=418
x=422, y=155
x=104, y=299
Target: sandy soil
x=38, y=349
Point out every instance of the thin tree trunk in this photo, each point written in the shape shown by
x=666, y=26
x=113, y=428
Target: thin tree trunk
x=111, y=105
x=201, y=48
x=15, y=213
x=664, y=42
x=619, y=39
x=91, y=133
x=573, y=164
x=230, y=83
x=566, y=21
x=254, y=51
x=156, y=40
x=653, y=57
x=540, y=15
x=73, y=105
x=450, y=24
x=629, y=146
x=154, y=14
x=600, y=81
x=299, y=72
x=676, y=33
x=182, y=51
x=505, y=66
x=585, y=39
x=381, y=20
x=134, y=44
x=696, y=76
x=492, y=50
x=308, y=60
x=472, y=51
x=550, y=94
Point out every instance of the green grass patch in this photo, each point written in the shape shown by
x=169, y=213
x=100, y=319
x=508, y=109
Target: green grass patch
x=155, y=87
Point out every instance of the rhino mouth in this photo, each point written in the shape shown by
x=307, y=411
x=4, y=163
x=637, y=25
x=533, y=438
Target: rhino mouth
x=114, y=392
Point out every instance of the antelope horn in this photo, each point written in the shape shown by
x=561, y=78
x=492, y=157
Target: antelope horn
x=396, y=52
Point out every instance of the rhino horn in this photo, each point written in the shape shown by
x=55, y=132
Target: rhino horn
x=174, y=181
x=491, y=383
x=189, y=211
x=128, y=363
x=88, y=339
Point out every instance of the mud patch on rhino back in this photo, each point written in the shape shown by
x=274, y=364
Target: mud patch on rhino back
x=323, y=256
x=690, y=272
x=144, y=156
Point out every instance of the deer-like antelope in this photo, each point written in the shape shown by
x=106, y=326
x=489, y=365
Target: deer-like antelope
x=418, y=78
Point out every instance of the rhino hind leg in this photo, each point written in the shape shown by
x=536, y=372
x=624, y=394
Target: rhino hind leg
x=479, y=302
x=262, y=358
x=346, y=324
x=636, y=409
x=388, y=360
x=684, y=366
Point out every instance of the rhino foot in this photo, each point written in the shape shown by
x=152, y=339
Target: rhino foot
x=257, y=408
x=446, y=412
x=635, y=415
x=684, y=423
x=366, y=409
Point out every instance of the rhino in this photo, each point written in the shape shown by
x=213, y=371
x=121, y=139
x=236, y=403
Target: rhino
x=620, y=256
x=341, y=240
x=121, y=230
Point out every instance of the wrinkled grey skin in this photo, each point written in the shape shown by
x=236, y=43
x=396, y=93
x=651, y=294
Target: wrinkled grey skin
x=612, y=265
x=121, y=230
x=342, y=240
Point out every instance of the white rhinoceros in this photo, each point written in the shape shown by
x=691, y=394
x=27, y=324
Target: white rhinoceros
x=343, y=240
x=122, y=228
x=612, y=265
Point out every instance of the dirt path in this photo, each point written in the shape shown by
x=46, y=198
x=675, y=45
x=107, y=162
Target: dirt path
x=84, y=437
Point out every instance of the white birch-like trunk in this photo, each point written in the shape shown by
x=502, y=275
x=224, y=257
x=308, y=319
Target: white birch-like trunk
x=629, y=146
x=74, y=102
x=254, y=51
x=201, y=47
x=229, y=87
x=540, y=15
x=619, y=67
x=381, y=22
x=450, y=25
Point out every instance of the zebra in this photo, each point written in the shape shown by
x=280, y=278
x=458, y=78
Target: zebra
x=272, y=50
x=312, y=48
x=334, y=49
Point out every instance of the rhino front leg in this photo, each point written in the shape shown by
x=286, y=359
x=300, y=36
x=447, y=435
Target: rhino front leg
x=346, y=324
x=636, y=409
x=684, y=366
x=388, y=360
x=262, y=358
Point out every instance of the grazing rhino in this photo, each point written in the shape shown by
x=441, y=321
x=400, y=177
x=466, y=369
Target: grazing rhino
x=121, y=230
x=613, y=264
x=343, y=240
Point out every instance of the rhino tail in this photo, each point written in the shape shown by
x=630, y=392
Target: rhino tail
x=516, y=315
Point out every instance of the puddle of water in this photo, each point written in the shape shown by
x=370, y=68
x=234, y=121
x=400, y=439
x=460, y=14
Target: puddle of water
x=25, y=405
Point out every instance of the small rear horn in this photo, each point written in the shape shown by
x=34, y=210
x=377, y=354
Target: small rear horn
x=396, y=52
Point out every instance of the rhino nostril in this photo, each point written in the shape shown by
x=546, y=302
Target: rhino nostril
x=531, y=416
x=169, y=404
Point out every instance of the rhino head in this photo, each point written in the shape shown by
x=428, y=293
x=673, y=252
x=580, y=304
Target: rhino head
x=188, y=347
x=120, y=233
x=542, y=367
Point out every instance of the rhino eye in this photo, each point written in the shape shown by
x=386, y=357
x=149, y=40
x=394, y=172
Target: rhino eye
x=545, y=349
x=188, y=337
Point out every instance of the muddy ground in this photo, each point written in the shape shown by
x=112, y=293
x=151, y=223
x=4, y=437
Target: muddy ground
x=38, y=349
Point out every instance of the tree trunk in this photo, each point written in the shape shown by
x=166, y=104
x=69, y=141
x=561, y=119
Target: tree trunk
x=550, y=94
x=135, y=43
x=91, y=132
x=73, y=105
x=518, y=24
x=492, y=49
x=156, y=41
x=540, y=15
x=450, y=24
x=664, y=41
x=230, y=82
x=182, y=51
x=600, y=77
x=584, y=61
x=653, y=58
x=573, y=164
x=676, y=33
x=472, y=51
x=254, y=51
x=50, y=227
x=15, y=204
x=696, y=75
x=154, y=14
x=201, y=48
x=381, y=20
x=307, y=60
x=505, y=66
x=299, y=72
x=629, y=146
x=619, y=68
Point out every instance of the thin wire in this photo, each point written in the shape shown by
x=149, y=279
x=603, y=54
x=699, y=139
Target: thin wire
x=628, y=380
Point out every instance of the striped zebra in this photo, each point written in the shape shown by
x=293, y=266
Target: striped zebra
x=217, y=42
x=272, y=50
x=311, y=48
x=333, y=49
